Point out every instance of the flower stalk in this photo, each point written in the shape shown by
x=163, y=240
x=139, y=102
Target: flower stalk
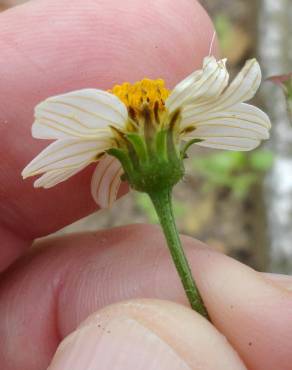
x=153, y=163
x=162, y=202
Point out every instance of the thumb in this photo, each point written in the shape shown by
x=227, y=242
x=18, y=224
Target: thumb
x=146, y=334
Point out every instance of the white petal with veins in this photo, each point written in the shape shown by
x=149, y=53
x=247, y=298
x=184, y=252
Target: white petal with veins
x=80, y=114
x=225, y=122
x=203, y=84
x=242, y=88
x=230, y=143
x=65, y=155
x=106, y=181
x=245, y=114
x=52, y=178
x=242, y=120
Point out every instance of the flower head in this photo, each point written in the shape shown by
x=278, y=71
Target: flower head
x=139, y=129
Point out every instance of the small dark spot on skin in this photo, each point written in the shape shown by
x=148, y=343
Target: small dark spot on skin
x=250, y=344
x=98, y=325
x=231, y=306
x=108, y=331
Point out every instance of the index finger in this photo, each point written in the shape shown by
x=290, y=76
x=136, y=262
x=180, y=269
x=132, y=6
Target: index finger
x=50, y=47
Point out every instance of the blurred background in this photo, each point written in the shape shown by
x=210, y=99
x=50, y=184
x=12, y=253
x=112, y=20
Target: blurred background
x=239, y=203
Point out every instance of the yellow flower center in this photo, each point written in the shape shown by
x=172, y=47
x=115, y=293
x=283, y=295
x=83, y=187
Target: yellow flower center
x=150, y=93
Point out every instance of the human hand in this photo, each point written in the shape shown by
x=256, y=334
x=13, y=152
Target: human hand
x=46, y=295
x=49, y=47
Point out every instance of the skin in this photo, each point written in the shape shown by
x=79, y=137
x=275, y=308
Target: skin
x=46, y=292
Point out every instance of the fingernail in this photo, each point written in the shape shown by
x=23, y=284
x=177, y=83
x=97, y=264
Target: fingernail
x=123, y=343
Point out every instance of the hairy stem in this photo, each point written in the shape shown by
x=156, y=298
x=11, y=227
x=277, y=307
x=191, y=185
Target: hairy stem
x=162, y=202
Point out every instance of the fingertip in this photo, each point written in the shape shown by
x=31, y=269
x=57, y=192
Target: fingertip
x=145, y=334
x=249, y=309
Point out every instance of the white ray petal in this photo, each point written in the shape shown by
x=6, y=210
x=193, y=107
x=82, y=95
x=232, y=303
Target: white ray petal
x=242, y=88
x=52, y=178
x=241, y=120
x=241, y=112
x=106, y=181
x=203, y=84
x=230, y=143
x=65, y=155
x=80, y=114
x=227, y=129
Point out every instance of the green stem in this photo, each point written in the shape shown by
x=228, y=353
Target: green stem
x=163, y=205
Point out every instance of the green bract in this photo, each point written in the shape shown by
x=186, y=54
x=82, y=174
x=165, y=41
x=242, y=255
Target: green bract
x=151, y=165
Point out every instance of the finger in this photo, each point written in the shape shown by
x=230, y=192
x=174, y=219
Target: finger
x=146, y=334
x=72, y=277
x=283, y=281
x=49, y=47
x=253, y=311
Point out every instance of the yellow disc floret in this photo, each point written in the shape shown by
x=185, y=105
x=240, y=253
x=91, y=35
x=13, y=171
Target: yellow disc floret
x=145, y=92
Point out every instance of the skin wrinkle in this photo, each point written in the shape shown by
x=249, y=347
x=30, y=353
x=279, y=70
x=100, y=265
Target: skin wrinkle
x=15, y=335
x=119, y=261
x=127, y=272
x=11, y=246
x=156, y=265
x=7, y=228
